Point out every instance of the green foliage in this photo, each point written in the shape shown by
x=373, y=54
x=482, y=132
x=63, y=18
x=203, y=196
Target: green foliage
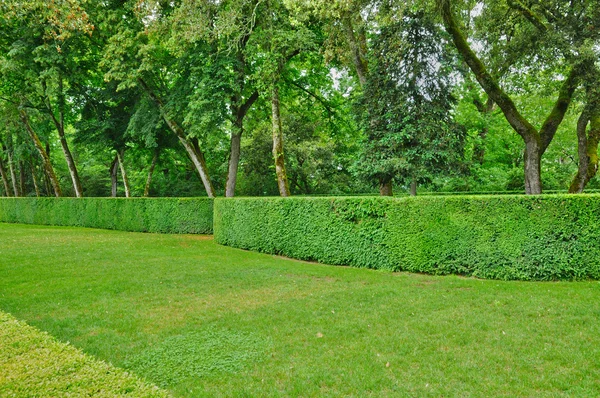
x=36, y=365
x=553, y=237
x=406, y=109
x=164, y=215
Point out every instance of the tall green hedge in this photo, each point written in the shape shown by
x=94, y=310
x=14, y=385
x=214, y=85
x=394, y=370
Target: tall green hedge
x=166, y=215
x=551, y=237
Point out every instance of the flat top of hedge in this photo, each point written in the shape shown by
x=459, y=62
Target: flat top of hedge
x=34, y=364
x=106, y=198
x=426, y=197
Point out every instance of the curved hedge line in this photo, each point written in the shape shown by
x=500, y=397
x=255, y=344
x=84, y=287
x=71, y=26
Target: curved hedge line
x=165, y=215
x=550, y=237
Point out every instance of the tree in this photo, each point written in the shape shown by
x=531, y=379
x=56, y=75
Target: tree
x=43, y=47
x=588, y=138
x=136, y=56
x=546, y=40
x=407, y=106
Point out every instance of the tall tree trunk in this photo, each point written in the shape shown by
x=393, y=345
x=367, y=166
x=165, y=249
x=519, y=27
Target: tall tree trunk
x=35, y=183
x=386, y=188
x=234, y=160
x=13, y=175
x=413, y=187
x=151, y=172
x=282, y=181
x=587, y=150
x=4, y=179
x=47, y=185
x=238, y=113
x=114, y=170
x=48, y=169
x=358, y=58
x=196, y=157
x=70, y=164
x=59, y=123
x=124, y=173
x=532, y=156
x=22, y=178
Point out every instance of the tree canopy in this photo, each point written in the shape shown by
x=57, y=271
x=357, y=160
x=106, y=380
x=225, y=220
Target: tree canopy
x=281, y=97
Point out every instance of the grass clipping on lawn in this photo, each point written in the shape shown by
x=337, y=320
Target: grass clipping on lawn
x=35, y=364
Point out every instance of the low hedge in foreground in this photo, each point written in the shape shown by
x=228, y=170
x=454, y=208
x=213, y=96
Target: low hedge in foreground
x=166, y=215
x=36, y=365
x=551, y=237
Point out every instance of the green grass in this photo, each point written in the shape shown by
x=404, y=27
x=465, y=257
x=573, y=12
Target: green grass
x=204, y=320
x=36, y=365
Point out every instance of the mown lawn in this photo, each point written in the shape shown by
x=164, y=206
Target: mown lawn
x=34, y=364
x=204, y=320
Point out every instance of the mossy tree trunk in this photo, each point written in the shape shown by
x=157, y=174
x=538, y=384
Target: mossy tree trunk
x=356, y=49
x=48, y=168
x=386, y=188
x=536, y=142
x=587, y=149
x=282, y=180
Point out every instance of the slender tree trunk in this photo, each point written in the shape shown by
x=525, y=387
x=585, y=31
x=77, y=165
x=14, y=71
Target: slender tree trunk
x=413, y=187
x=386, y=188
x=356, y=54
x=35, y=183
x=150, y=173
x=239, y=112
x=22, y=178
x=47, y=186
x=196, y=157
x=282, y=181
x=587, y=150
x=234, y=160
x=4, y=179
x=71, y=164
x=13, y=175
x=59, y=123
x=48, y=169
x=124, y=173
x=533, y=178
x=114, y=171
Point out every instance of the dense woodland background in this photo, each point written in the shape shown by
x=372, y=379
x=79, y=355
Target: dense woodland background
x=280, y=97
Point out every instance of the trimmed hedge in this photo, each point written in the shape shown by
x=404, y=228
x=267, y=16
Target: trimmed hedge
x=165, y=215
x=34, y=364
x=550, y=237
